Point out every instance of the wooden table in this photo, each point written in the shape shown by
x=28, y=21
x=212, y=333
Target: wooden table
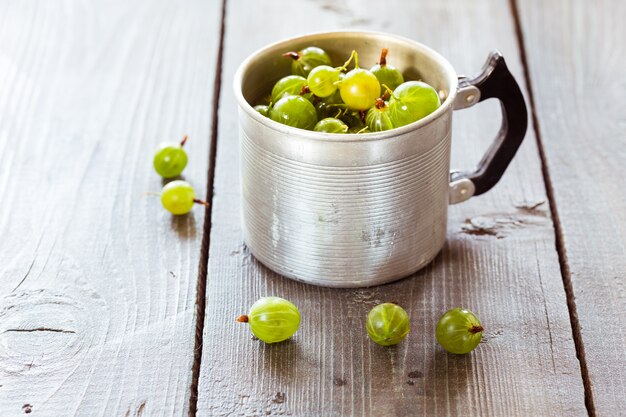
x=109, y=306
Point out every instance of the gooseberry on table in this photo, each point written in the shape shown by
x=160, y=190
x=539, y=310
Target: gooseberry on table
x=272, y=319
x=459, y=331
x=387, y=324
x=170, y=159
x=178, y=197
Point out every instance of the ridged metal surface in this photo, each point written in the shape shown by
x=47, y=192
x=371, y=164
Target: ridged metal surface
x=338, y=210
x=344, y=226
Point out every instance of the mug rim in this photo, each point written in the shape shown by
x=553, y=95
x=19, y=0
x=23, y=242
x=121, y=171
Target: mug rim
x=346, y=137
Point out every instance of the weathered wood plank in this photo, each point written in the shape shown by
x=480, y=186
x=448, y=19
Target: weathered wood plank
x=499, y=261
x=97, y=281
x=575, y=53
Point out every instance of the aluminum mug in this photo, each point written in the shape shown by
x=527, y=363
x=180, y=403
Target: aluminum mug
x=356, y=210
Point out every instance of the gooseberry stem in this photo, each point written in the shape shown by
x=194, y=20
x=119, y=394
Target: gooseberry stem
x=380, y=104
x=388, y=93
x=182, y=142
x=383, y=57
x=305, y=90
x=362, y=116
x=292, y=55
x=476, y=329
x=242, y=319
x=354, y=56
x=202, y=202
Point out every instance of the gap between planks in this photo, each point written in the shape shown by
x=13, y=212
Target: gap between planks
x=206, y=229
x=558, y=229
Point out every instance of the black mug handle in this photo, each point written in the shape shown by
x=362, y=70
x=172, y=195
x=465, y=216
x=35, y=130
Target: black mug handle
x=494, y=81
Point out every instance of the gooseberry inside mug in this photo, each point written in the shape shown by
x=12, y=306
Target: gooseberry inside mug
x=345, y=210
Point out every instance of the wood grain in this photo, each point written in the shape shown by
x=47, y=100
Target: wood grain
x=500, y=261
x=97, y=281
x=576, y=54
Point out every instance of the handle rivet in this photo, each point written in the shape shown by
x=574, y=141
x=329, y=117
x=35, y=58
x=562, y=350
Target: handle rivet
x=467, y=96
x=461, y=190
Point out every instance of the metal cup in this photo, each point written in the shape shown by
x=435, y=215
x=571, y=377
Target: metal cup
x=356, y=210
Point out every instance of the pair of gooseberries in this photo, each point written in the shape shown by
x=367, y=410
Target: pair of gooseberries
x=274, y=319
x=177, y=197
x=458, y=330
